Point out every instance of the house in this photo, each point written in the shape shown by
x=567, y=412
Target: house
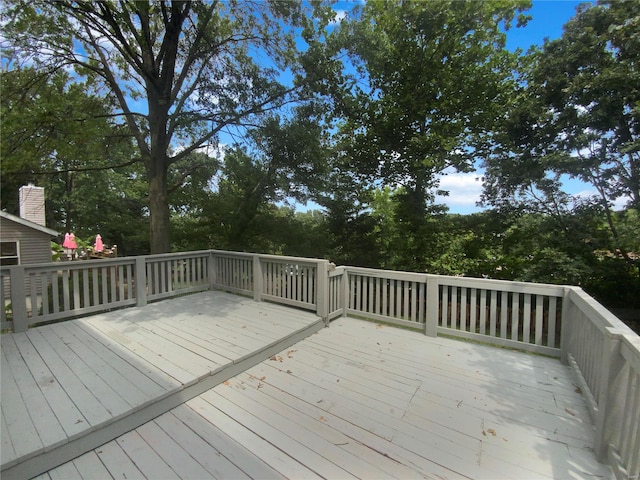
x=26, y=239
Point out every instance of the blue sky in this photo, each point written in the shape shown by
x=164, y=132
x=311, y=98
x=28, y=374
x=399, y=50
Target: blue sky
x=548, y=18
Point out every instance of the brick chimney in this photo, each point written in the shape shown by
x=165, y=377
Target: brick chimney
x=32, y=204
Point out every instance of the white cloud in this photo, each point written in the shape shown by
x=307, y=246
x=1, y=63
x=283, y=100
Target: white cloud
x=464, y=191
x=339, y=16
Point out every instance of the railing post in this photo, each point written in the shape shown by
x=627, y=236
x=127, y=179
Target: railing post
x=212, y=272
x=611, y=364
x=322, y=298
x=565, y=327
x=141, y=281
x=431, y=318
x=257, y=278
x=18, y=300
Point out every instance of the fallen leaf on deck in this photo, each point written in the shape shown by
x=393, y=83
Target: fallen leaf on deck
x=322, y=419
x=378, y=326
x=262, y=379
x=491, y=431
x=227, y=382
x=578, y=390
x=273, y=358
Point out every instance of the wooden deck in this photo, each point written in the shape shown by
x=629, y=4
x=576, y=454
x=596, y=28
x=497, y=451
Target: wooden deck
x=75, y=385
x=361, y=400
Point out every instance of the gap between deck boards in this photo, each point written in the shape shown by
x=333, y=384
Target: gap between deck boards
x=35, y=465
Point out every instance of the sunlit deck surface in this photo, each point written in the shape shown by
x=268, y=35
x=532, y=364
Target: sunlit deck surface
x=356, y=400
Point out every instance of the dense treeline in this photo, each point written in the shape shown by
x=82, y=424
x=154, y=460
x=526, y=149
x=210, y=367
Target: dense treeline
x=188, y=125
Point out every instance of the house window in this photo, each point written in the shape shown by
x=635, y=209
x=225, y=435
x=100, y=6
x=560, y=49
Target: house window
x=9, y=254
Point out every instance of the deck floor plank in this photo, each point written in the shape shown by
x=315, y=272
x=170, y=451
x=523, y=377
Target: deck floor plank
x=356, y=400
x=40, y=412
x=136, y=387
x=117, y=462
x=84, y=399
x=213, y=462
x=111, y=399
x=22, y=432
x=233, y=451
x=66, y=412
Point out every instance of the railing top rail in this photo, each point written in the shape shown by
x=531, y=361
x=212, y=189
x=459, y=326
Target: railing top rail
x=597, y=313
x=277, y=258
x=388, y=274
x=73, y=265
x=502, y=285
x=163, y=256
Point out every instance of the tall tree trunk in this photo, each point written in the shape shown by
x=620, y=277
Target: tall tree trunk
x=158, y=207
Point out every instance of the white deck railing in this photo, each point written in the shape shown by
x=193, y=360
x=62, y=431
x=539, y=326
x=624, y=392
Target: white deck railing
x=554, y=320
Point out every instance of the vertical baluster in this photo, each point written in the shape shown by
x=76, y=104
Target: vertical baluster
x=526, y=321
x=392, y=299
x=421, y=302
x=504, y=308
x=492, y=300
x=454, y=307
x=105, y=285
x=86, y=300
x=414, y=301
x=463, y=309
x=46, y=281
x=539, y=316
x=33, y=293
x=515, y=316
x=473, y=310
x=551, y=324
x=113, y=273
x=445, y=306
x=120, y=271
x=483, y=312
x=66, y=297
x=55, y=293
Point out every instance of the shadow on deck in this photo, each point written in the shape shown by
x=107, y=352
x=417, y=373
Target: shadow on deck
x=70, y=387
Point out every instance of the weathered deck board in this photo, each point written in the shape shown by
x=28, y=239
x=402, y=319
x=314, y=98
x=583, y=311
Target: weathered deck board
x=367, y=401
x=79, y=384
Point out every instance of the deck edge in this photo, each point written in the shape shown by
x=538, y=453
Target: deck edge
x=36, y=465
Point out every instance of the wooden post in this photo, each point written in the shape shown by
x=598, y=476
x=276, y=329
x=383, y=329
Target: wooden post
x=18, y=299
x=566, y=326
x=611, y=365
x=322, y=297
x=212, y=272
x=257, y=278
x=433, y=294
x=141, y=281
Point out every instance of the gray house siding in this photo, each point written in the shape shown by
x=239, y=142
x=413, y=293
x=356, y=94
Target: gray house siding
x=33, y=246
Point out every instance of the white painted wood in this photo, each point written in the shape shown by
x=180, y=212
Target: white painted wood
x=203, y=453
x=43, y=418
x=71, y=419
x=171, y=452
x=90, y=466
x=22, y=432
x=117, y=463
x=146, y=458
x=92, y=409
x=233, y=451
x=260, y=447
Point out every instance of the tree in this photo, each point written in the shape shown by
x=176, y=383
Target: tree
x=179, y=72
x=577, y=116
x=430, y=77
x=58, y=134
